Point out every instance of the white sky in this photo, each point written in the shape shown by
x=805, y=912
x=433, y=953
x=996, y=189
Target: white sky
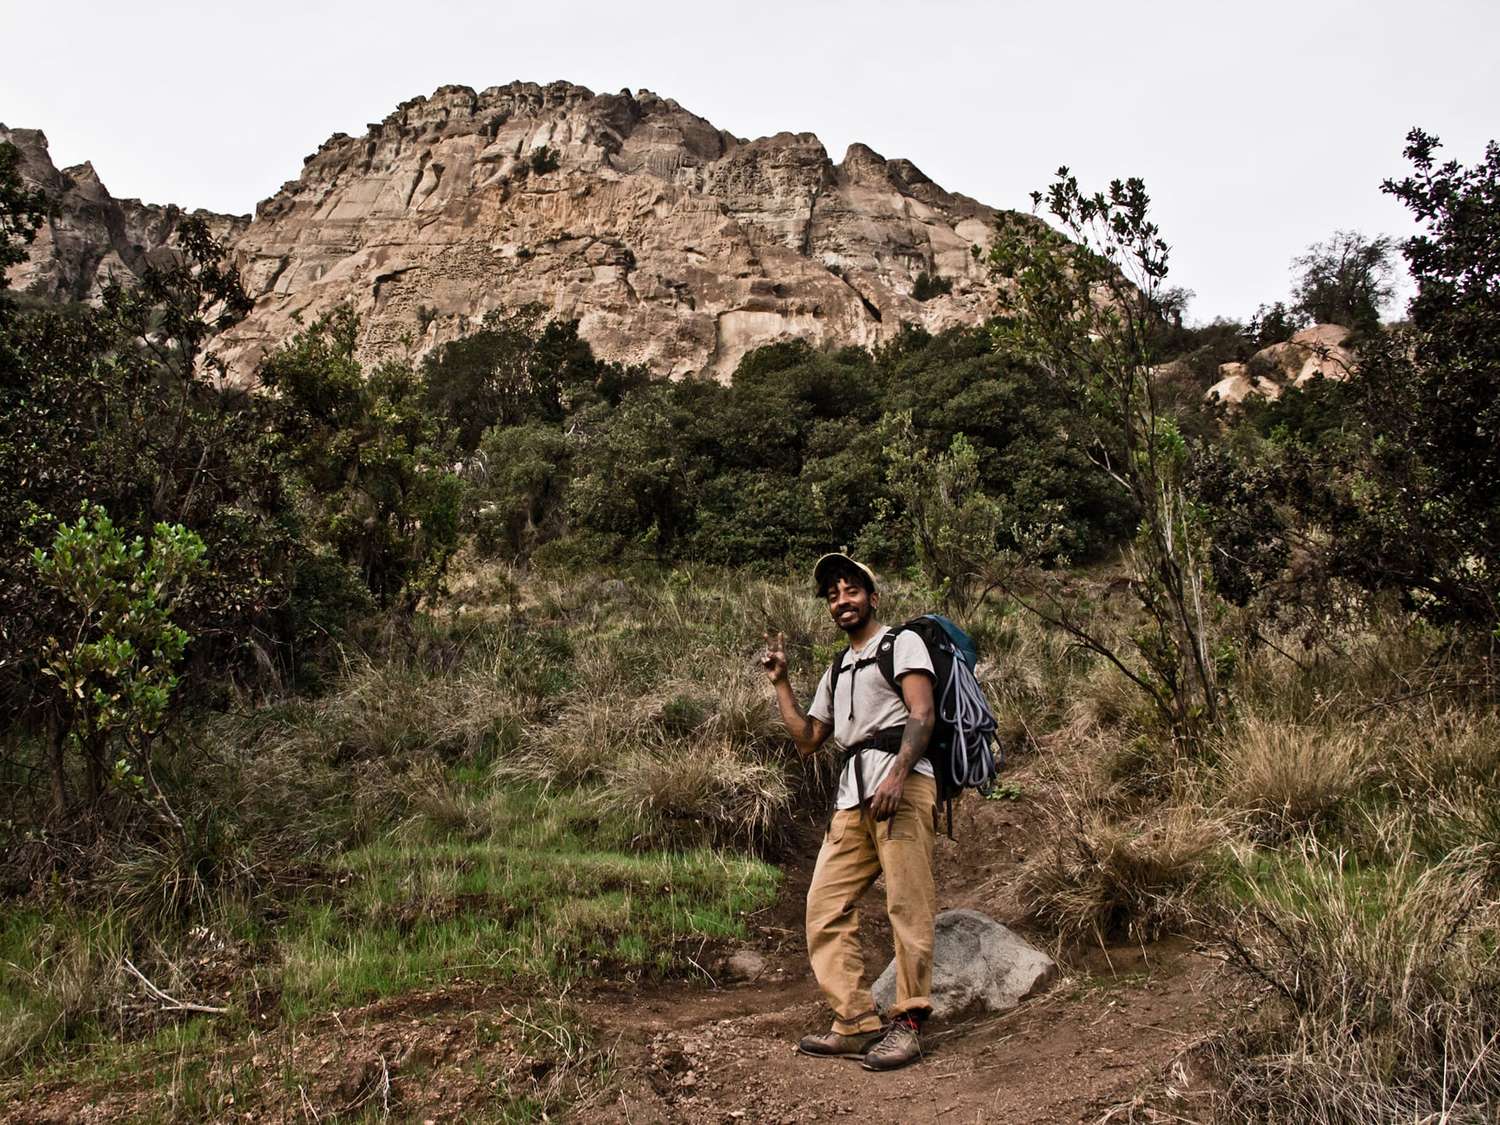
x=1259, y=128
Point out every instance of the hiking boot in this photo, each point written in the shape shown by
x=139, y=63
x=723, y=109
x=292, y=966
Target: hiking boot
x=832, y=1045
x=898, y=1047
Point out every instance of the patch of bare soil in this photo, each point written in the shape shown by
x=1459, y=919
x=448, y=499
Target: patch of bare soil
x=1118, y=1022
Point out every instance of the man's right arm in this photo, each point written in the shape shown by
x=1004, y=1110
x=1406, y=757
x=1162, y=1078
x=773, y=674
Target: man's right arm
x=807, y=732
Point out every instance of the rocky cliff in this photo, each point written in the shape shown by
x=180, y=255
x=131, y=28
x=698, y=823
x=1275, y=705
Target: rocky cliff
x=674, y=243
x=92, y=238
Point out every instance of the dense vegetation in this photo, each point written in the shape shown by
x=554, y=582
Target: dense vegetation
x=386, y=669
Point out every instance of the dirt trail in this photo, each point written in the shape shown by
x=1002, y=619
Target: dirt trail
x=1116, y=1021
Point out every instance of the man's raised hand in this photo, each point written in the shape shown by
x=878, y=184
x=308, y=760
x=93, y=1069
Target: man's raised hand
x=774, y=659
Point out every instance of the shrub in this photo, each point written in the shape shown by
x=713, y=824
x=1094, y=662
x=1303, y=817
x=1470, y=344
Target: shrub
x=927, y=287
x=378, y=488
x=114, y=660
x=544, y=160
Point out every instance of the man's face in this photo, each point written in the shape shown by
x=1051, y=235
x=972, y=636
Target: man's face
x=850, y=605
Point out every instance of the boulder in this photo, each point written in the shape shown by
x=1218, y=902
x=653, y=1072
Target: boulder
x=978, y=965
x=1237, y=384
x=1319, y=352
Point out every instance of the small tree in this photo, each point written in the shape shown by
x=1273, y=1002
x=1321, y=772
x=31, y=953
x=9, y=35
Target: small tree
x=954, y=524
x=1346, y=280
x=518, y=488
x=378, y=486
x=1419, y=505
x=1087, y=308
x=1274, y=324
x=928, y=286
x=114, y=663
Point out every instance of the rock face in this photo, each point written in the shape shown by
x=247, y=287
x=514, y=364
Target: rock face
x=977, y=965
x=672, y=242
x=93, y=238
x=1312, y=353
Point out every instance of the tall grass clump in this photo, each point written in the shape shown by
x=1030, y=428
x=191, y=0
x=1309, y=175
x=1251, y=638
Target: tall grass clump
x=700, y=758
x=1383, y=987
x=1109, y=879
x=1289, y=776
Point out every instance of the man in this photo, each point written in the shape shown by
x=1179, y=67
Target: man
x=883, y=819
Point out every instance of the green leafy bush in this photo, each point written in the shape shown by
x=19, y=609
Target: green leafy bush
x=928, y=286
x=113, y=663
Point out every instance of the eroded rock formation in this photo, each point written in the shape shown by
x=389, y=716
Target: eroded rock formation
x=93, y=238
x=674, y=243
x=1318, y=352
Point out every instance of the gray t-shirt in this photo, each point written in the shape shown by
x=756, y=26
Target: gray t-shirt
x=864, y=704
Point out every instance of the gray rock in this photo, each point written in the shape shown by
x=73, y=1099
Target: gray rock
x=744, y=964
x=978, y=965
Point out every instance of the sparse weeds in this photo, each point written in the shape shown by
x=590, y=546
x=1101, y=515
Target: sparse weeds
x=58, y=972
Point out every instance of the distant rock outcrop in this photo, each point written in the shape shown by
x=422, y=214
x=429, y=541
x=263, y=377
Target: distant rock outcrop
x=672, y=242
x=1312, y=353
x=93, y=238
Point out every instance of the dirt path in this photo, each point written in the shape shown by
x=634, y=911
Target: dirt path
x=1114, y=1023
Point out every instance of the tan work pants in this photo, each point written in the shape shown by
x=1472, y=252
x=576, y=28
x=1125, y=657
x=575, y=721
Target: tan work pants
x=856, y=850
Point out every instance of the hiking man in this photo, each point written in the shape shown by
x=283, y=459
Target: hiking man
x=883, y=819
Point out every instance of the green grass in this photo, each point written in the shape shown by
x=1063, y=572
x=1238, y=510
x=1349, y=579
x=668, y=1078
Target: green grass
x=537, y=899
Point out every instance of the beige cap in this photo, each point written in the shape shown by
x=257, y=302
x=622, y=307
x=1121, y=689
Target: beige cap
x=820, y=568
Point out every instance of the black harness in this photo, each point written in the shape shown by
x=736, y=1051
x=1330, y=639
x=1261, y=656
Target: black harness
x=888, y=739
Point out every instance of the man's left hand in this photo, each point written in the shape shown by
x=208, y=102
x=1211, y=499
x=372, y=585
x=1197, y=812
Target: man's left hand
x=887, y=797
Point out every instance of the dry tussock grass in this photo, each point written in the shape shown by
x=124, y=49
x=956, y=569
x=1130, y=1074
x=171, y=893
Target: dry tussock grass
x=1108, y=879
x=1389, y=978
x=1441, y=748
x=579, y=746
x=392, y=709
x=791, y=610
x=1024, y=670
x=710, y=788
x=1101, y=700
x=701, y=757
x=1288, y=775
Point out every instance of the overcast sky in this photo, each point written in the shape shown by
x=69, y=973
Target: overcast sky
x=1259, y=128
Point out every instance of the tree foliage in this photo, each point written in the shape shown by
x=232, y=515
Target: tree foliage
x=121, y=405
x=1346, y=280
x=1389, y=481
x=1088, y=308
x=113, y=658
x=377, y=487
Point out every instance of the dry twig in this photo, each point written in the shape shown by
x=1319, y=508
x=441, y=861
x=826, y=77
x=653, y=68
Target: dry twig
x=170, y=1003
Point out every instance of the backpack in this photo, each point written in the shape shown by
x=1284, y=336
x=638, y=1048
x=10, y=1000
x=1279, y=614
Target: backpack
x=963, y=724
